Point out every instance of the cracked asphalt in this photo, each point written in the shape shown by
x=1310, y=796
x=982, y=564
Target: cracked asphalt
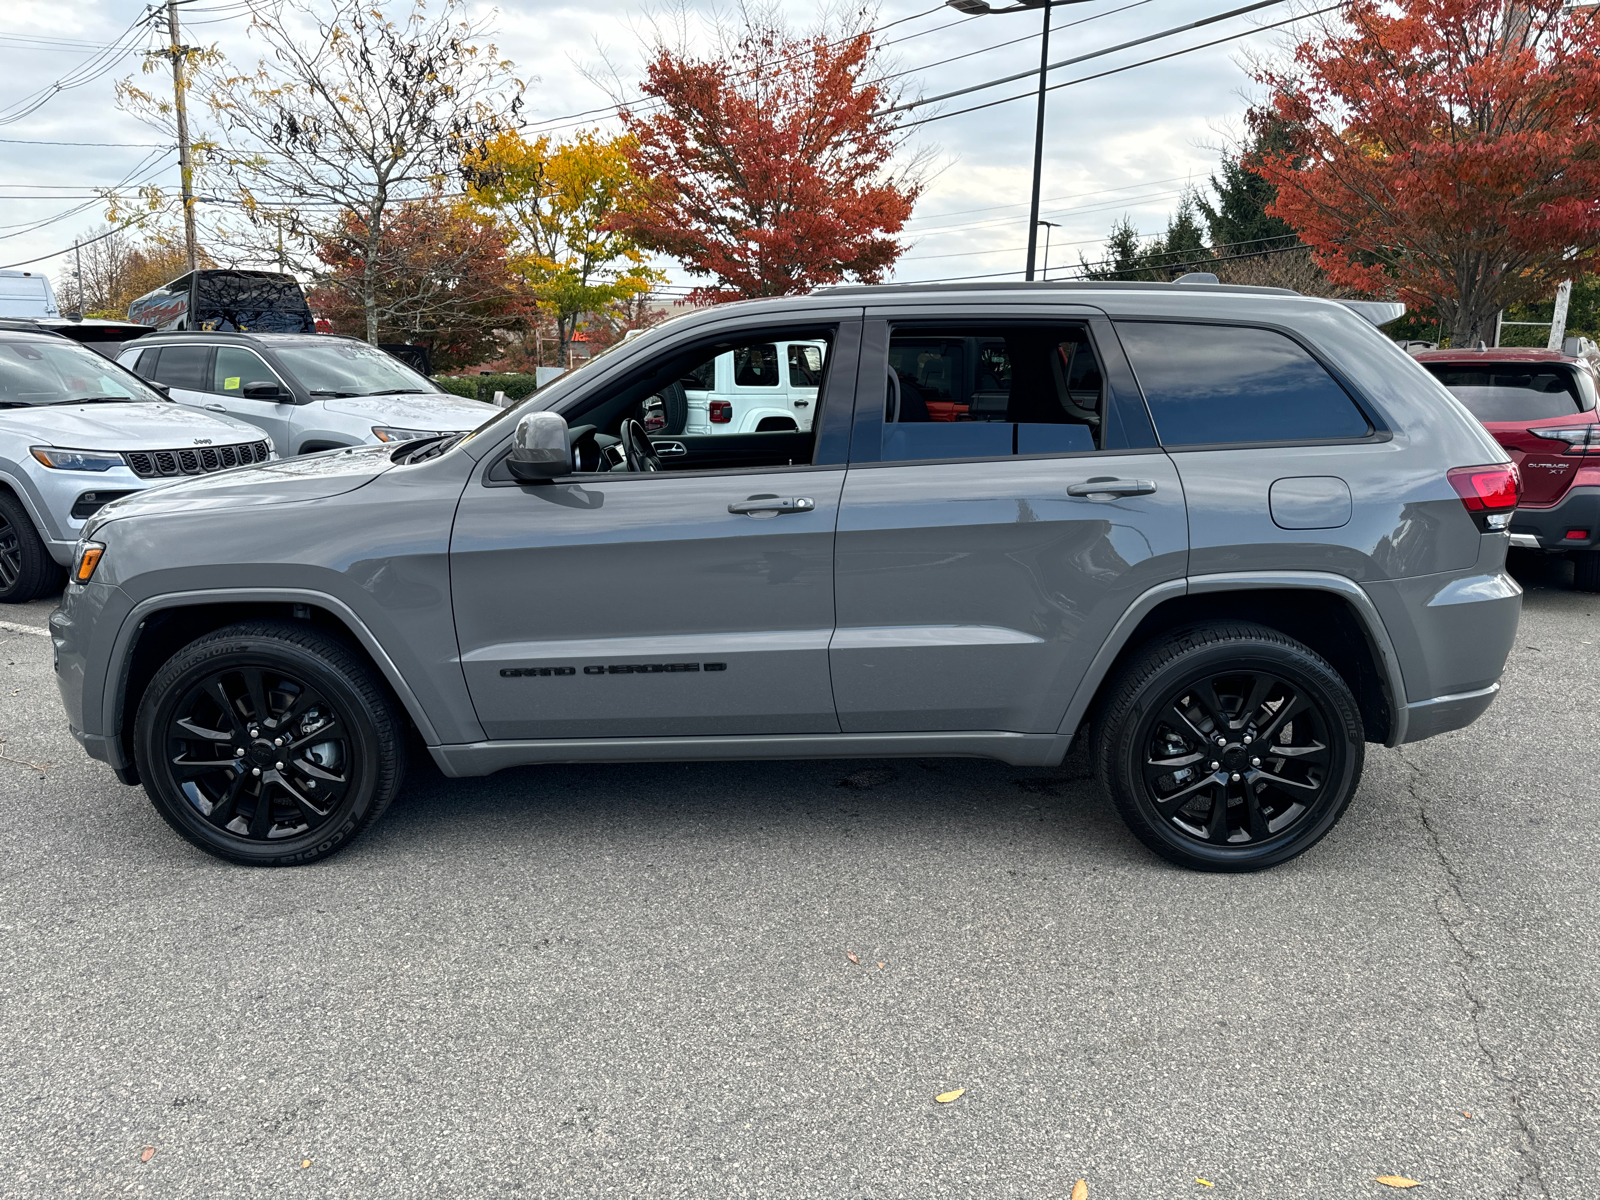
x=633, y=980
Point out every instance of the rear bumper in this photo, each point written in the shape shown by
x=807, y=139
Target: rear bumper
x=1427, y=718
x=1546, y=528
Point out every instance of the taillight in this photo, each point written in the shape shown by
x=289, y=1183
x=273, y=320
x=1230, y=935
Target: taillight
x=721, y=411
x=1487, y=489
x=1585, y=439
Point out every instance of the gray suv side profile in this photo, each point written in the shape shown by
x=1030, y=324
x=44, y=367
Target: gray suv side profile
x=1227, y=535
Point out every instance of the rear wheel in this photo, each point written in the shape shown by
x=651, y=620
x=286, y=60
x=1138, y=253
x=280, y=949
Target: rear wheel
x=1230, y=747
x=26, y=569
x=1586, y=571
x=268, y=743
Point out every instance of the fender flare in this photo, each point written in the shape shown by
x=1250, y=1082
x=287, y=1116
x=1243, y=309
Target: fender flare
x=122, y=645
x=1235, y=581
x=19, y=488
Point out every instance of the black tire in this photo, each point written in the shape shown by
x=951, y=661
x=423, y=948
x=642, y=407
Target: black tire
x=1235, y=806
x=1586, y=571
x=26, y=569
x=674, y=409
x=224, y=697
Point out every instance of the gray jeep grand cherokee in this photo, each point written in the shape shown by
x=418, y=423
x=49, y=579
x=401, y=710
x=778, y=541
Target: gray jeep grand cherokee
x=1228, y=535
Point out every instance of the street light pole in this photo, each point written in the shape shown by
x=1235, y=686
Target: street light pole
x=978, y=8
x=1044, y=267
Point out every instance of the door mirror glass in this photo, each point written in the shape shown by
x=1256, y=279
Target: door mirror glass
x=541, y=448
x=262, y=391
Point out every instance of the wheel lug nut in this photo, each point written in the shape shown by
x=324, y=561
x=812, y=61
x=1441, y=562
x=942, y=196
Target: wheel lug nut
x=1216, y=766
x=1234, y=777
x=1255, y=762
x=279, y=766
x=1222, y=741
x=238, y=751
x=1248, y=739
x=277, y=741
x=255, y=770
x=312, y=784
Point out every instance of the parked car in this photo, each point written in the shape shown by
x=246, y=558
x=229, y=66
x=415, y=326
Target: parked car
x=103, y=337
x=226, y=299
x=1257, y=543
x=309, y=392
x=1539, y=405
x=76, y=432
x=761, y=388
x=27, y=294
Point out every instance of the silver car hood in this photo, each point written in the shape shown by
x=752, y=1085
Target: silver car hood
x=309, y=477
x=444, y=412
x=135, y=426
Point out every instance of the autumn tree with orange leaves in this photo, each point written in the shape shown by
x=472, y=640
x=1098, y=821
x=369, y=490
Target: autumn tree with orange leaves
x=1444, y=151
x=771, y=169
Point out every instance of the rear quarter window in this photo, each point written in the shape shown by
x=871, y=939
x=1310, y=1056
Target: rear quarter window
x=1227, y=384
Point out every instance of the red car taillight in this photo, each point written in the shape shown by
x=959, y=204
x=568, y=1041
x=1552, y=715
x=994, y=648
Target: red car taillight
x=721, y=411
x=1487, y=489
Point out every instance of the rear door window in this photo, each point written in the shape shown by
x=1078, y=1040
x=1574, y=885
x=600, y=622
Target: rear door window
x=1514, y=391
x=184, y=367
x=992, y=391
x=1227, y=384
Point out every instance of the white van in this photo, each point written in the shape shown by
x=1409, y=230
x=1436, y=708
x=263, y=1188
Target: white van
x=755, y=389
x=27, y=294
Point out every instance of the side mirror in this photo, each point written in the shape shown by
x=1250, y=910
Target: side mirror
x=541, y=448
x=262, y=391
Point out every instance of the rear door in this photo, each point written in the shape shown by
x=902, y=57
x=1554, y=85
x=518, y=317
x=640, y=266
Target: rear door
x=185, y=371
x=984, y=557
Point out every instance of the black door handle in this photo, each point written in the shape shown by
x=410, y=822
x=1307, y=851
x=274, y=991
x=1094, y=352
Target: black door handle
x=1097, y=489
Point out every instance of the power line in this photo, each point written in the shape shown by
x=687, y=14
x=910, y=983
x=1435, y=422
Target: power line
x=1068, y=62
x=1029, y=95
x=115, y=145
x=88, y=71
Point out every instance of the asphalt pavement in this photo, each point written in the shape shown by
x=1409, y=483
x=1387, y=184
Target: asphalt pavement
x=637, y=980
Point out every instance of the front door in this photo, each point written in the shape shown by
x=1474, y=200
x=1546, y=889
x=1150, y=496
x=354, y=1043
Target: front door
x=986, y=550
x=236, y=368
x=697, y=600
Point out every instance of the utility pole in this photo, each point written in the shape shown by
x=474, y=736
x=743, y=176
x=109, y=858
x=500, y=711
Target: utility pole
x=176, y=51
x=1558, y=324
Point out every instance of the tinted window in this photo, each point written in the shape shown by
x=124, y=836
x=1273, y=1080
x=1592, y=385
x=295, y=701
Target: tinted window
x=1209, y=384
x=756, y=366
x=1513, y=392
x=235, y=368
x=245, y=300
x=183, y=367
x=992, y=391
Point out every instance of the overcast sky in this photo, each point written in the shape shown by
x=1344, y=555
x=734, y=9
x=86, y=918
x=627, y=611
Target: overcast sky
x=1126, y=143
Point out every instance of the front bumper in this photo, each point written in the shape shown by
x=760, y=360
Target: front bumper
x=1547, y=528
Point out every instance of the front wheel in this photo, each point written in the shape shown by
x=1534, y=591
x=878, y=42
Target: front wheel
x=268, y=743
x=1230, y=747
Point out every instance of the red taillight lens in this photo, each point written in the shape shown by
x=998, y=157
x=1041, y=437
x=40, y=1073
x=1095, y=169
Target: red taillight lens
x=721, y=411
x=1487, y=489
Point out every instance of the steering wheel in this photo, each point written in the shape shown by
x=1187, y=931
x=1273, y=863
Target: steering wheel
x=641, y=454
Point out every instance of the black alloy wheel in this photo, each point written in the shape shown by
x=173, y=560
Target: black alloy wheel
x=268, y=743
x=26, y=569
x=1231, y=748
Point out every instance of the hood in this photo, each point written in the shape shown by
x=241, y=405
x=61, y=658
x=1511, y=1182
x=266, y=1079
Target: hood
x=443, y=412
x=309, y=477
x=135, y=426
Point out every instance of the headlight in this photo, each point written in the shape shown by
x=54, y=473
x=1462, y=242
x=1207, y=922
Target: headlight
x=75, y=460
x=86, y=560
x=389, y=433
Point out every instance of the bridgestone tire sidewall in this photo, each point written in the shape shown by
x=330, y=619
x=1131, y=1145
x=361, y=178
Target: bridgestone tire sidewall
x=1123, y=740
x=209, y=655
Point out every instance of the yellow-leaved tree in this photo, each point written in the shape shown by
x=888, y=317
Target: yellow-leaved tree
x=556, y=201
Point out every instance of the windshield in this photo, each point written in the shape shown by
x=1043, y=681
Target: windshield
x=343, y=368
x=56, y=371
x=1517, y=391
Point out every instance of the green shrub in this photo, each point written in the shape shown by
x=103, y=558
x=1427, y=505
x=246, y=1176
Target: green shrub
x=515, y=385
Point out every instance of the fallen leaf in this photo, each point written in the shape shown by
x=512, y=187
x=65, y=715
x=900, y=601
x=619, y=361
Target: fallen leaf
x=1398, y=1181
x=1080, y=1191
x=1467, y=1115
x=880, y=966
x=1204, y=1182
x=851, y=956
x=304, y=1163
x=149, y=1152
x=946, y=1097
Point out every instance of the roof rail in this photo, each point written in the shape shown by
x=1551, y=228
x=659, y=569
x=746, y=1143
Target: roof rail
x=1041, y=285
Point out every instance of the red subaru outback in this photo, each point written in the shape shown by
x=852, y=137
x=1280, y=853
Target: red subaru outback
x=1540, y=405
